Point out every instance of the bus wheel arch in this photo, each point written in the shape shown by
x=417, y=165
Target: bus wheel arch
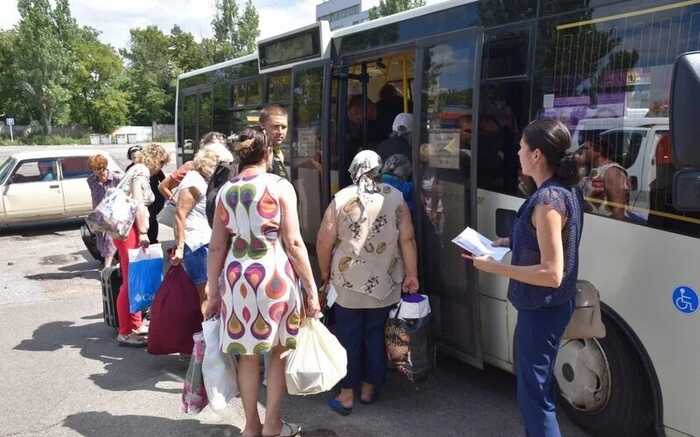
x=626, y=397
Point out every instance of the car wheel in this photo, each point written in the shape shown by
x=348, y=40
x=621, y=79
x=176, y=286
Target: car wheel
x=602, y=385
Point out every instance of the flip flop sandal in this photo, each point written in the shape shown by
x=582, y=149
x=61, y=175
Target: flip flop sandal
x=288, y=430
x=338, y=407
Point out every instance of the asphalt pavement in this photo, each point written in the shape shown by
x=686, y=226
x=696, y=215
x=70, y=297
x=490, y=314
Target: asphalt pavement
x=64, y=375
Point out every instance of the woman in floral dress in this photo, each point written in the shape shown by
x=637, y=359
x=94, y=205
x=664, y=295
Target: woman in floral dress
x=257, y=244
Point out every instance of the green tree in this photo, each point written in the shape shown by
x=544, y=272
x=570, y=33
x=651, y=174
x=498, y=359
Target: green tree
x=11, y=101
x=234, y=33
x=390, y=7
x=150, y=76
x=99, y=99
x=43, y=59
x=185, y=52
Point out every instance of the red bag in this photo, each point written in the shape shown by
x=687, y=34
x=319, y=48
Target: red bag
x=175, y=315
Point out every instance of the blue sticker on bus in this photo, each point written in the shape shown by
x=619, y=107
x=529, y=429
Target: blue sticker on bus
x=685, y=299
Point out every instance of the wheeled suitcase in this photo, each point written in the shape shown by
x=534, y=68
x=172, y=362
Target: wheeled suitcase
x=111, y=281
x=90, y=241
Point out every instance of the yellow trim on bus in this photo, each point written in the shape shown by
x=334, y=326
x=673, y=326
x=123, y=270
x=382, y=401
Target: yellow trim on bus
x=599, y=202
x=628, y=14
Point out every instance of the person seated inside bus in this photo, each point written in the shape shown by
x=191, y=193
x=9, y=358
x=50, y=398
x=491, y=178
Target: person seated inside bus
x=213, y=140
x=607, y=187
x=400, y=140
x=390, y=105
x=355, y=116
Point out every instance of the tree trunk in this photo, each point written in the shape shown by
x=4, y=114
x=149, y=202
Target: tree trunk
x=48, y=129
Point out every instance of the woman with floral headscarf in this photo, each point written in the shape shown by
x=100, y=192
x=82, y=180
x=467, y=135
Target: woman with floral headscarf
x=367, y=250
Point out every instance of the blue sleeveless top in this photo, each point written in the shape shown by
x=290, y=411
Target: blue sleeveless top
x=526, y=251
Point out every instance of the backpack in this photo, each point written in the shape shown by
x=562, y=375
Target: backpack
x=222, y=174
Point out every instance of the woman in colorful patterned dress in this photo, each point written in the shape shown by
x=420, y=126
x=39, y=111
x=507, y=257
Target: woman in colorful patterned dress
x=260, y=305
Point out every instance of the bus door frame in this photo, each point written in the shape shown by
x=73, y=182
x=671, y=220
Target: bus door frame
x=197, y=92
x=340, y=73
x=422, y=45
x=324, y=127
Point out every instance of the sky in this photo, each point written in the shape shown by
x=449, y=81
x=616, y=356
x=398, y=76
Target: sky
x=114, y=18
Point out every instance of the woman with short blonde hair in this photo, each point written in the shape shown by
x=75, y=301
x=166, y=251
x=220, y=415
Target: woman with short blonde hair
x=192, y=230
x=137, y=185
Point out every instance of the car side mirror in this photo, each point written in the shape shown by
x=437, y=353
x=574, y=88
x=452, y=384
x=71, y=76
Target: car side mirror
x=685, y=131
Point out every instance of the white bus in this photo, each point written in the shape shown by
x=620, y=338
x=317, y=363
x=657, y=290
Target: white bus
x=474, y=73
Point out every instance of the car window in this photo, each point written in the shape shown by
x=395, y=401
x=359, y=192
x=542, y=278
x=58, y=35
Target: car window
x=43, y=170
x=6, y=168
x=75, y=168
x=624, y=144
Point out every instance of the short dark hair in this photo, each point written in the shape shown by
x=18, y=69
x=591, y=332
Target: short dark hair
x=273, y=109
x=210, y=137
x=254, y=153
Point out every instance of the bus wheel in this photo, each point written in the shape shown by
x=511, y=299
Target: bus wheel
x=602, y=386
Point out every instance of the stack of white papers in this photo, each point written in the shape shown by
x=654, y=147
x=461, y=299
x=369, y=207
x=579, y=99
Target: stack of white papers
x=478, y=245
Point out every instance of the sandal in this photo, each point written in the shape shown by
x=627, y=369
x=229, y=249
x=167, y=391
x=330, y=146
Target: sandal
x=338, y=407
x=131, y=340
x=288, y=430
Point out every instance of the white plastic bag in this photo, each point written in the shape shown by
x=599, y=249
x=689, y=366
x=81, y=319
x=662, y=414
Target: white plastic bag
x=318, y=362
x=218, y=368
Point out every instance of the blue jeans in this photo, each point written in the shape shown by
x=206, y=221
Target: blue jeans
x=537, y=337
x=196, y=264
x=361, y=332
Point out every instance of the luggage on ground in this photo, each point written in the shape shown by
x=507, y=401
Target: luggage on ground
x=111, y=281
x=90, y=241
x=175, y=314
x=407, y=336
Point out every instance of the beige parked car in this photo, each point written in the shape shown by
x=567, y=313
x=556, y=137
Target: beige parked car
x=46, y=186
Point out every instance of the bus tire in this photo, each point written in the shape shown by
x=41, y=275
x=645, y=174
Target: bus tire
x=602, y=385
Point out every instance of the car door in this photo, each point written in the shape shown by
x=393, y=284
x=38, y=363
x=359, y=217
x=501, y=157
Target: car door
x=33, y=192
x=76, y=192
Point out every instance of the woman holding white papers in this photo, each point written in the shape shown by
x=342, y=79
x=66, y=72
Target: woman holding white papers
x=544, y=268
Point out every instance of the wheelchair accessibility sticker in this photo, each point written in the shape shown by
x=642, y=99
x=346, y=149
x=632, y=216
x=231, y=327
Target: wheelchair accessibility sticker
x=685, y=299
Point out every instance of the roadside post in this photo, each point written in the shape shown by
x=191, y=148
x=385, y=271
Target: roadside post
x=10, y=122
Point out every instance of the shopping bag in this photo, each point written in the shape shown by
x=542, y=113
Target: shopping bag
x=194, y=396
x=167, y=215
x=115, y=214
x=407, y=337
x=145, y=276
x=218, y=368
x=175, y=314
x=318, y=362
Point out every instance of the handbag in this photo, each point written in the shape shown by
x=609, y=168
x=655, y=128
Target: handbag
x=407, y=337
x=115, y=214
x=318, y=362
x=167, y=215
x=218, y=368
x=145, y=276
x=175, y=314
x=586, y=322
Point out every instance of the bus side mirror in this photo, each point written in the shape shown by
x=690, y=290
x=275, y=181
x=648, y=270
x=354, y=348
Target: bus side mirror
x=685, y=131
